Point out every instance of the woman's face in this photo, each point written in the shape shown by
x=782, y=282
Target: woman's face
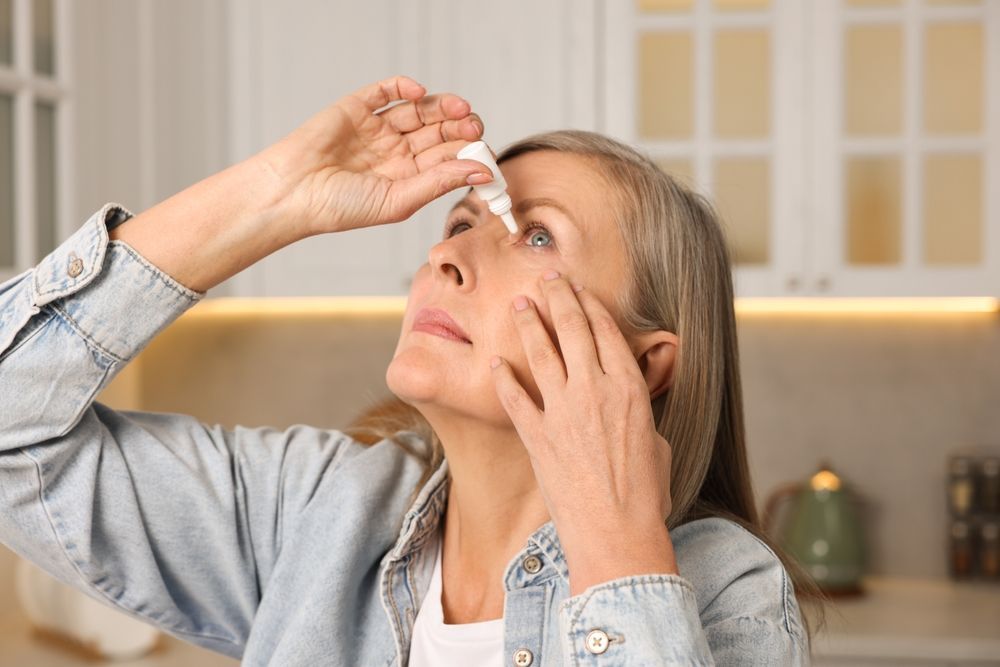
x=564, y=214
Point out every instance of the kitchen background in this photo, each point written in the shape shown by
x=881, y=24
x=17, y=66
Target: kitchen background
x=853, y=147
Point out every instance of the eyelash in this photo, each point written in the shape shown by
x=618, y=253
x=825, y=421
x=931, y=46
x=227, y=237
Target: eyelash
x=529, y=228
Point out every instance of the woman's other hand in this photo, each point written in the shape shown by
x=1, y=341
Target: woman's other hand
x=602, y=468
x=357, y=164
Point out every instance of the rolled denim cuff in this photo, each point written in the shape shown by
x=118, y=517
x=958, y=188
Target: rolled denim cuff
x=127, y=300
x=646, y=619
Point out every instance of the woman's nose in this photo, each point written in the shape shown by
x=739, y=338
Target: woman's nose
x=448, y=264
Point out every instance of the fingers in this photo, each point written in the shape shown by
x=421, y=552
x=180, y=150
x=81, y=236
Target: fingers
x=426, y=110
x=518, y=404
x=572, y=327
x=377, y=95
x=468, y=129
x=613, y=351
x=544, y=360
x=449, y=151
x=406, y=196
x=589, y=338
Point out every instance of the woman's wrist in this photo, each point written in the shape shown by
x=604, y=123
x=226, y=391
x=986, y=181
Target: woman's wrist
x=607, y=554
x=217, y=227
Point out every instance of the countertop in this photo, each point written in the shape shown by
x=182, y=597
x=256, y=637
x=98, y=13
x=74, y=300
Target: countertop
x=899, y=622
x=913, y=622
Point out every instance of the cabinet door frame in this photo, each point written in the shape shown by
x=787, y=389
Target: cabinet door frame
x=831, y=274
x=20, y=81
x=788, y=238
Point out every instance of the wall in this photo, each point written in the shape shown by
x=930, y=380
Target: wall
x=883, y=398
x=150, y=101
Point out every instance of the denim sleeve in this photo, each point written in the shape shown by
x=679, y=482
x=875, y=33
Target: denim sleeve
x=654, y=621
x=174, y=522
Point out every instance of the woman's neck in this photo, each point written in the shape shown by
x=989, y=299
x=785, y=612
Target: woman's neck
x=494, y=505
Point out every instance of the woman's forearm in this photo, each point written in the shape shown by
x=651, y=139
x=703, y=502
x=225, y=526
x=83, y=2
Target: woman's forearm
x=348, y=166
x=215, y=228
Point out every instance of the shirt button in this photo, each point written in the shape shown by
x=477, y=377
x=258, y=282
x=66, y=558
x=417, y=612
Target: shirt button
x=532, y=564
x=75, y=267
x=523, y=657
x=597, y=642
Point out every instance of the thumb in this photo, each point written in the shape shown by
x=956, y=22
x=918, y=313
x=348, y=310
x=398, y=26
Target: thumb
x=408, y=195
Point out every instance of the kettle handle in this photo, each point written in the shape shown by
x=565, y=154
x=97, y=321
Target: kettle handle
x=778, y=496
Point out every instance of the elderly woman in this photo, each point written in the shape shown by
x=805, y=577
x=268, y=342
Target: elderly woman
x=563, y=477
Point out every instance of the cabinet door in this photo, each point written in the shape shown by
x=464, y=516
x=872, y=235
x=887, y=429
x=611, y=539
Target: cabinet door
x=711, y=89
x=289, y=61
x=522, y=76
x=907, y=115
x=36, y=99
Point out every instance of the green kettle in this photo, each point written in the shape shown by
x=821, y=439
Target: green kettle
x=821, y=530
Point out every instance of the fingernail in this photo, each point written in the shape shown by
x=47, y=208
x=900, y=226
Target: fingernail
x=494, y=361
x=479, y=127
x=550, y=274
x=479, y=178
x=520, y=302
x=577, y=288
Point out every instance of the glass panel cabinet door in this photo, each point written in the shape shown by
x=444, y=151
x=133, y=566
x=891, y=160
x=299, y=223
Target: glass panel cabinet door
x=43, y=37
x=848, y=144
x=46, y=228
x=905, y=143
x=6, y=32
x=7, y=236
x=698, y=85
x=34, y=90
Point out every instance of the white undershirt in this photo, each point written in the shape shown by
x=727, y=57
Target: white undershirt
x=436, y=644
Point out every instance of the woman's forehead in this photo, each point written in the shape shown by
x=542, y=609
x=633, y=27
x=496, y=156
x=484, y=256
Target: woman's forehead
x=562, y=181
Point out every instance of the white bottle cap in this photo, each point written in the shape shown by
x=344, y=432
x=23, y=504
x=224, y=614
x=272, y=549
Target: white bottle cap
x=494, y=192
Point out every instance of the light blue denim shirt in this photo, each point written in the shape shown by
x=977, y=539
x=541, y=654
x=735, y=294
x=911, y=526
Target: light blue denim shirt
x=300, y=546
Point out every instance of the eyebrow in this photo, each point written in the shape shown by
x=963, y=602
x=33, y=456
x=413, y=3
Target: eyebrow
x=467, y=205
x=522, y=207
x=526, y=205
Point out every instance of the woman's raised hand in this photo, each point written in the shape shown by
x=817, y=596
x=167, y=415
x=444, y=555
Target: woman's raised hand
x=602, y=468
x=357, y=164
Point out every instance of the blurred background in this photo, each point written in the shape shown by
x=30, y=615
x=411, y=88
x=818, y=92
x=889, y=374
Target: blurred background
x=852, y=146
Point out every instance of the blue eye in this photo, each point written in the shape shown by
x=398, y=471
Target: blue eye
x=535, y=232
x=537, y=235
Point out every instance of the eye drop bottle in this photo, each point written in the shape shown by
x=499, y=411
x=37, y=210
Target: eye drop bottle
x=494, y=192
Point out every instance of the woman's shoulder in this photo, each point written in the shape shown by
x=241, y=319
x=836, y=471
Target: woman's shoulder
x=733, y=571
x=720, y=534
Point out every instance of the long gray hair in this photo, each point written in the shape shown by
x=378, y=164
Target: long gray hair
x=680, y=281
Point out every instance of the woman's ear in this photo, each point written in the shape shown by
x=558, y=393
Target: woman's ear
x=656, y=352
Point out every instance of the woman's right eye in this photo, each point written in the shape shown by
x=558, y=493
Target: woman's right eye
x=453, y=225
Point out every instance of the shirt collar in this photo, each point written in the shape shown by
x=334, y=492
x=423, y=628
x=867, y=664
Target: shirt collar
x=423, y=518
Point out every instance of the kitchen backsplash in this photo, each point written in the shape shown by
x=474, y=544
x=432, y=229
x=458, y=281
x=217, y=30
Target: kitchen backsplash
x=883, y=398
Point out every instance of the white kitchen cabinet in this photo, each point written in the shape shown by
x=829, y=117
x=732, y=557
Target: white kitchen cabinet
x=165, y=94
x=292, y=59
x=852, y=146
x=777, y=109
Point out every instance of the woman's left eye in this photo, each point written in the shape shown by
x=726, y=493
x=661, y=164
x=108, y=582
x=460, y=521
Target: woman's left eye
x=537, y=232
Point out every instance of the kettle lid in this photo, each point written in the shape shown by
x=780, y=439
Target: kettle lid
x=825, y=479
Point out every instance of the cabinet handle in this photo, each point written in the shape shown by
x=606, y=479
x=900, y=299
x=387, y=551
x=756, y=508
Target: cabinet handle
x=793, y=283
x=823, y=283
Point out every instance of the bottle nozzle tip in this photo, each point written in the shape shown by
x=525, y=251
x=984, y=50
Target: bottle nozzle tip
x=508, y=220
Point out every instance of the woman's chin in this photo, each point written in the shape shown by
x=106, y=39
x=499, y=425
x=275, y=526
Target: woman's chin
x=443, y=393
x=415, y=377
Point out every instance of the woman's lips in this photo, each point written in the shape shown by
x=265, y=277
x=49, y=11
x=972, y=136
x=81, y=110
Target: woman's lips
x=437, y=322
